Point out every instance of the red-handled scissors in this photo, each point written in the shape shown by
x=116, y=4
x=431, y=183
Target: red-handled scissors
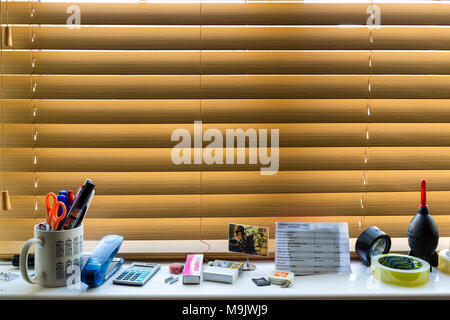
x=53, y=206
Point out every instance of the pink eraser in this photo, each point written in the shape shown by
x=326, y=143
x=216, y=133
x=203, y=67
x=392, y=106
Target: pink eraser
x=176, y=268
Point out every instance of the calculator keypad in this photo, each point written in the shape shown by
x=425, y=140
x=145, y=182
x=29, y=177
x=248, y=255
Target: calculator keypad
x=136, y=277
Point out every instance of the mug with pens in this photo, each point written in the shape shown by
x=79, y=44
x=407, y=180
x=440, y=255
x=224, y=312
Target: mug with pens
x=59, y=240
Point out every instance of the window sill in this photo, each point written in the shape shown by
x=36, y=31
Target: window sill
x=357, y=285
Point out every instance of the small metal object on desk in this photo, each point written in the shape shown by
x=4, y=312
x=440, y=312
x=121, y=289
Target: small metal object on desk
x=249, y=266
x=171, y=279
x=287, y=284
x=8, y=276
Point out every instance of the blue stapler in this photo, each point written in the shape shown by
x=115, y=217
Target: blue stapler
x=96, y=271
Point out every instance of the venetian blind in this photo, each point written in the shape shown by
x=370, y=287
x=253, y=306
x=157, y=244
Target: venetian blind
x=362, y=109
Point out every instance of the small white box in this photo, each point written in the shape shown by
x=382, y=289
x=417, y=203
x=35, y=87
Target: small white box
x=281, y=277
x=220, y=274
x=192, y=272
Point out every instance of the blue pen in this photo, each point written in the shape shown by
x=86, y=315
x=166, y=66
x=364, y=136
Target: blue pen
x=66, y=194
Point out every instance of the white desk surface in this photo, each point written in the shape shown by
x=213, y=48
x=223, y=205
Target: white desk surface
x=357, y=285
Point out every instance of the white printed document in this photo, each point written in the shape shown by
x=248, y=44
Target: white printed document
x=311, y=248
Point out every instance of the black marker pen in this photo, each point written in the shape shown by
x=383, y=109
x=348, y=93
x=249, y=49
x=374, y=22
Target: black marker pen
x=79, y=205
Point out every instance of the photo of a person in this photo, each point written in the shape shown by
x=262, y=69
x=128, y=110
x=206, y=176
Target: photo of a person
x=248, y=239
x=245, y=242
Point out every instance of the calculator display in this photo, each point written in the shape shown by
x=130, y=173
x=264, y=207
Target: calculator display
x=142, y=268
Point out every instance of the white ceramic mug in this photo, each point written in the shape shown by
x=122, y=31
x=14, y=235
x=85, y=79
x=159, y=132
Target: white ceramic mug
x=55, y=252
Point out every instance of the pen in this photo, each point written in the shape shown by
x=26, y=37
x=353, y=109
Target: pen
x=83, y=210
x=74, y=201
x=70, y=192
x=65, y=193
x=80, y=206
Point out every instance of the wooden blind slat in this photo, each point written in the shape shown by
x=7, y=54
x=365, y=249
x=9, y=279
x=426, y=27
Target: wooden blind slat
x=188, y=62
x=102, y=111
x=16, y=229
x=19, y=183
x=322, y=181
x=159, y=135
x=290, y=135
x=292, y=205
x=187, y=111
x=158, y=159
x=227, y=87
x=123, y=183
x=161, y=228
x=231, y=38
x=228, y=182
x=322, y=204
x=194, y=206
x=228, y=62
x=229, y=111
x=408, y=13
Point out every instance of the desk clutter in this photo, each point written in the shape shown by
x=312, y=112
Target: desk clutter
x=373, y=245
x=301, y=249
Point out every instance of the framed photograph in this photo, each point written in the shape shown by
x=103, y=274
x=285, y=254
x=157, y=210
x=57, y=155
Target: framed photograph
x=248, y=239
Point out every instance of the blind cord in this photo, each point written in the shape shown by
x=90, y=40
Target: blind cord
x=3, y=100
x=32, y=107
x=201, y=117
x=369, y=102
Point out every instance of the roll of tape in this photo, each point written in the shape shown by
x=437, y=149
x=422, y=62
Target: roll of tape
x=372, y=242
x=444, y=261
x=400, y=269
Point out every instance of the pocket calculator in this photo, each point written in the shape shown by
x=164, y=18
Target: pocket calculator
x=137, y=274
